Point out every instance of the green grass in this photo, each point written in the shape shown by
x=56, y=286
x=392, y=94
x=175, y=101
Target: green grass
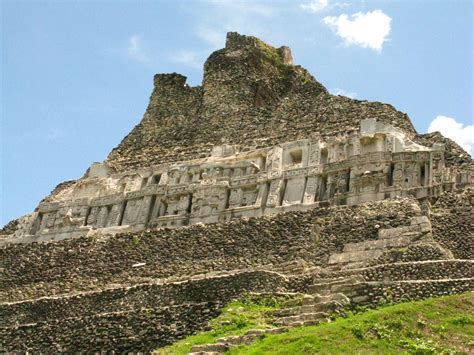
x=443, y=325
x=251, y=312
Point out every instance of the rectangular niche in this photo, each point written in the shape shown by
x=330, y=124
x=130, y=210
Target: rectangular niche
x=293, y=157
x=156, y=179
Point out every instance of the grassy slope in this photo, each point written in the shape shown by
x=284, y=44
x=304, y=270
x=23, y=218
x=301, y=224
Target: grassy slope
x=236, y=319
x=438, y=325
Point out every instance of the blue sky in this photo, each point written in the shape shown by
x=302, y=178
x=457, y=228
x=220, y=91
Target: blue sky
x=76, y=75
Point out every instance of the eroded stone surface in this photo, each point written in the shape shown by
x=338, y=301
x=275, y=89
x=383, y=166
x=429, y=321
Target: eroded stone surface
x=259, y=137
x=271, y=185
x=376, y=163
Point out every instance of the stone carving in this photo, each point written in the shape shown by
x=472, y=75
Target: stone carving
x=350, y=169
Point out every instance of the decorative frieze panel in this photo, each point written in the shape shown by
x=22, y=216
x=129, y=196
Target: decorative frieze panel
x=132, y=211
x=48, y=207
x=311, y=189
x=342, y=169
x=179, y=189
x=274, y=192
x=107, y=200
x=135, y=194
x=295, y=173
x=314, y=152
x=243, y=181
x=274, y=161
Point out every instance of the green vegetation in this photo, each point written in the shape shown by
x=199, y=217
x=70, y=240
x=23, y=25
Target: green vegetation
x=271, y=54
x=443, y=325
x=250, y=312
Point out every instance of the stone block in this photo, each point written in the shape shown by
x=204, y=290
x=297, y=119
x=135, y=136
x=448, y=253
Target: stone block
x=354, y=256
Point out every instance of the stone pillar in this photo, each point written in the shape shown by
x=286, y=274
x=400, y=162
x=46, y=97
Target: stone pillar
x=311, y=189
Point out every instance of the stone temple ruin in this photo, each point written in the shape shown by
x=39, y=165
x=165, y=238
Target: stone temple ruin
x=257, y=181
x=376, y=163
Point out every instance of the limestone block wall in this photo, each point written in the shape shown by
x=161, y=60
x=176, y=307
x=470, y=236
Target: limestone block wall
x=139, y=330
x=138, y=318
x=439, y=276
x=452, y=217
x=376, y=293
x=415, y=270
x=88, y=263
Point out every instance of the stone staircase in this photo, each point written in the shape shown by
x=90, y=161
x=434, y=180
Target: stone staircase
x=297, y=266
x=345, y=283
x=356, y=255
x=352, y=279
x=341, y=289
x=312, y=308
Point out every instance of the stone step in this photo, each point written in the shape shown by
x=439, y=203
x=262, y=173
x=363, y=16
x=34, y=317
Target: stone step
x=246, y=339
x=315, y=317
x=384, y=271
x=306, y=323
x=354, y=256
x=338, y=297
x=225, y=343
x=314, y=299
x=277, y=330
x=324, y=286
x=396, y=242
x=218, y=348
x=329, y=307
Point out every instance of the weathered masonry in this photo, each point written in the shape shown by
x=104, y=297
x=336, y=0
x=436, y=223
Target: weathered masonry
x=378, y=162
x=353, y=207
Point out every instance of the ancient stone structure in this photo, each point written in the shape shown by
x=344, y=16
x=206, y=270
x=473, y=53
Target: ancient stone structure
x=376, y=163
x=257, y=181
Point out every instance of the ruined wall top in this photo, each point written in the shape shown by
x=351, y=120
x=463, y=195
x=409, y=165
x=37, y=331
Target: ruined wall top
x=252, y=96
x=169, y=80
x=235, y=40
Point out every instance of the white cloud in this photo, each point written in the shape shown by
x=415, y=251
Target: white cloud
x=315, y=5
x=449, y=127
x=342, y=92
x=368, y=30
x=136, y=50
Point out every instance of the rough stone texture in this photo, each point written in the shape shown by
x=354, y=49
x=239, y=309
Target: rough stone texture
x=261, y=136
x=9, y=228
x=271, y=185
x=138, y=318
x=139, y=330
x=329, y=296
x=377, y=163
x=417, y=270
x=376, y=293
x=455, y=155
x=250, y=96
x=452, y=217
x=40, y=269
